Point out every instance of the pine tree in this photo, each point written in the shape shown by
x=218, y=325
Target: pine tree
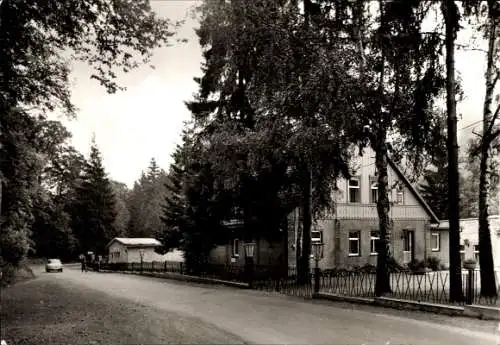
x=94, y=218
x=145, y=202
x=154, y=171
x=174, y=206
x=194, y=206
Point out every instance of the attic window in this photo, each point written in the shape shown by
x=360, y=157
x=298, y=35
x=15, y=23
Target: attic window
x=400, y=195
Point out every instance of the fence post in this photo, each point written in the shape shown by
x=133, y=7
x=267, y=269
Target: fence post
x=316, y=278
x=469, y=298
x=165, y=266
x=249, y=271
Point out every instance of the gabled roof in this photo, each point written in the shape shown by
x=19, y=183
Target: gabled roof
x=415, y=193
x=136, y=242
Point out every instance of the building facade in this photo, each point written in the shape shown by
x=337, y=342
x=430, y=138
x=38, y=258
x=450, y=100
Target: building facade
x=130, y=249
x=350, y=231
x=267, y=252
x=469, y=239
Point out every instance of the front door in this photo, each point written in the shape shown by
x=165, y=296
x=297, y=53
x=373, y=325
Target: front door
x=408, y=246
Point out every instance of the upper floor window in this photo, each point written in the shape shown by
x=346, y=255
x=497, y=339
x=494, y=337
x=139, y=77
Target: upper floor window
x=373, y=192
x=354, y=190
x=400, y=195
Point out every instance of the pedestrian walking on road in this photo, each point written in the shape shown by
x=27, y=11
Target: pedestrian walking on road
x=84, y=263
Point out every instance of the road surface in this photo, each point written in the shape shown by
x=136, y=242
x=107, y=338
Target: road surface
x=105, y=308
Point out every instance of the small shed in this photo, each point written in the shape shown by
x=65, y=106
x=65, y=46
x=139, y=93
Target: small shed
x=127, y=249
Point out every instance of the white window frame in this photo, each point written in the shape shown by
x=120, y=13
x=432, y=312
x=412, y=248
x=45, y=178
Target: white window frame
x=357, y=239
x=476, y=252
x=373, y=187
x=438, y=241
x=373, y=242
x=358, y=188
x=235, y=250
x=400, y=195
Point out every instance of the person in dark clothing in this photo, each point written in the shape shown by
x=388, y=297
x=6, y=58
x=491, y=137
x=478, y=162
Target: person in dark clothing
x=84, y=263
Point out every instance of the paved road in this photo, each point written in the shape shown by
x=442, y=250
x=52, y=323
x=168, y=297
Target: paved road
x=192, y=313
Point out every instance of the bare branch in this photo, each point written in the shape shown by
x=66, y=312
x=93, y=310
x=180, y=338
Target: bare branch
x=495, y=115
x=478, y=134
x=467, y=47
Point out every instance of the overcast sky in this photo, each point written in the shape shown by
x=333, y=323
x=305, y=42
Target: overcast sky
x=145, y=121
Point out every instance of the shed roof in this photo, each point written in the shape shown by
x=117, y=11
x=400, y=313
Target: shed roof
x=136, y=242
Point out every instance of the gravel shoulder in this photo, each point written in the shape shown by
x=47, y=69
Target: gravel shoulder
x=44, y=311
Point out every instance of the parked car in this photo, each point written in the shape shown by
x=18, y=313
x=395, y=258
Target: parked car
x=53, y=265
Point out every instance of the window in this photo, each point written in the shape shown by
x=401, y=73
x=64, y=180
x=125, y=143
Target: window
x=400, y=195
x=435, y=241
x=408, y=240
x=374, y=237
x=373, y=192
x=354, y=245
x=354, y=193
x=476, y=252
x=236, y=247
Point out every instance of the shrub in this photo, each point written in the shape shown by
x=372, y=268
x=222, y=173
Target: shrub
x=12, y=274
x=469, y=261
x=433, y=263
x=417, y=265
x=394, y=266
x=369, y=268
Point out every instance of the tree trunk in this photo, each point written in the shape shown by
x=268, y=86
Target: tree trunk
x=488, y=284
x=382, y=282
x=303, y=262
x=486, y=265
x=303, y=268
x=450, y=13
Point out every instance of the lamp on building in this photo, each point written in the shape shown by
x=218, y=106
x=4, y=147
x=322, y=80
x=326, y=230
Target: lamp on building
x=317, y=246
x=249, y=253
x=249, y=249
